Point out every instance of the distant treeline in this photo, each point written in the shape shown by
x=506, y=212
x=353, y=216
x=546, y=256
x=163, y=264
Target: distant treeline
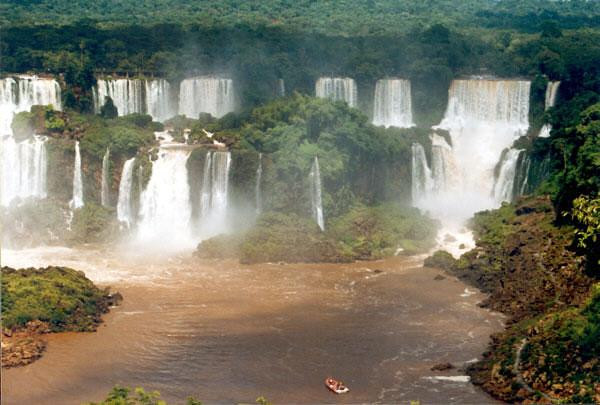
x=257, y=56
x=337, y=17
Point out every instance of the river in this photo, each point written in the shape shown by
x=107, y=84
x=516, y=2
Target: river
x=225, y=332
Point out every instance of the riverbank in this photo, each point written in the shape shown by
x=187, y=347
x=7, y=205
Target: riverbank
x=525, y=263
x=37, y=302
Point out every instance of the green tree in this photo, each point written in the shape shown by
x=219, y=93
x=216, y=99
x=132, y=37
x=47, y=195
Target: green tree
x=108, y=110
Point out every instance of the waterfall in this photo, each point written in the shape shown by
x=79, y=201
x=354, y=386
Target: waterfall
x=259, y=170
x=126, y=95
x=504, y=189
x=484, y=117
x=24, y=163
x=315, y=194
x=206, y=94
x=549, y=101
x=24, y=168
x=392, y=103
x=77, y=200
x=214, y=194
x=337, y=88
x=22, y=92
x=104, y=191
x=422, y=182
x=165, y=209
x=280, y=88
x=159, y=100
x=124, y=206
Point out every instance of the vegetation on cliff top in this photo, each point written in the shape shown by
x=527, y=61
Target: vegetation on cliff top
x=363, y=233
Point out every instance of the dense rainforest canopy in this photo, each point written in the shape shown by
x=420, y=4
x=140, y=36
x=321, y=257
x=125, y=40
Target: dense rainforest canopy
x=345, y=17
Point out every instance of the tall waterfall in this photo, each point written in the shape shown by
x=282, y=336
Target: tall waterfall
x=165, y=209
x=422, y=181
x=24, y=168
x=549, y=101
x=315, y=194
x=258, y=186
x=77, y=200
x=280, y=88
x=104, y=190
x=214, y=193
x=337, y=88
x=483, y=117
x=206, y=94
x=504, y=189
x=124, y=205
x=159, y=102
x=24, y=163
x=126, y=95
x=392, y=104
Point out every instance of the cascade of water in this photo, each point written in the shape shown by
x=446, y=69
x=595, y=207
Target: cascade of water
x=214, y=193
x=421, y=182
x=337, y=88
x=315, y=194
x=24, y=168
x=165, y=209
x=77, y=200
x=281, y=87
x=259, y=170
x=104, y=191
x=549, y=101
x=126, y=95
x=24, y=163
x=392, y=104
x=124, y=205
x=206, y=94
x=483, y=117
x=505, y=183
x=159, y=100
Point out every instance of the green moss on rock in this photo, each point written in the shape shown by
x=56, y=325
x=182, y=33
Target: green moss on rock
x=60, y=296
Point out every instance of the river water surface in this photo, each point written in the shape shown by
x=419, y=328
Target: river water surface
x=225, y=332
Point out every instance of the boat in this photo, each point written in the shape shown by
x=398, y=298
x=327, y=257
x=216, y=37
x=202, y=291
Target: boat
x=336, y=386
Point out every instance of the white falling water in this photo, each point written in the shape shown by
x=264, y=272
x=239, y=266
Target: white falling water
x=422, y=181
x=214, y=194
x=24, y=163
x=77, y=200
x=505, y=183
x=24, y=168
x=549, y=101
x=392, y=104
x=159, y=100
x=484, y=117
x=206, y=94
x=165, y=209
x=280, y=88
x=124, y=204
x=258, y=186
x=315, y=194
x=126, y=95
x=21, y=92
x=336, y=88
x=104, y=190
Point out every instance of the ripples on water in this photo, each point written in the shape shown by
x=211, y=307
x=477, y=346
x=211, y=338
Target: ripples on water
x=225, y=332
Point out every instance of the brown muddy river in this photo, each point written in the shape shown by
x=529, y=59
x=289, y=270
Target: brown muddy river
x=225, y=332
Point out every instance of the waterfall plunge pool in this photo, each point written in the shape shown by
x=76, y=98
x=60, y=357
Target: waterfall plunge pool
x=225, y=332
